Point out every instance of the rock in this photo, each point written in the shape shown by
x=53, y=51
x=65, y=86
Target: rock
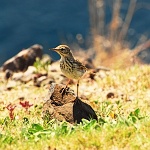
x=61, y=113
x=82, y=110
x=65, y=106
x=57, y=98
x=8, y=74
x=59, y=106
x=24, y=76
x=47, y=81
x=28, y=75
x=65, y=112
x=39, y=80
x=23, y=59
x=11, y=84
x=110, y=95
x=29, y=71
x=17, y=76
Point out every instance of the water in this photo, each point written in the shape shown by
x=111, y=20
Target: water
x=48, y=22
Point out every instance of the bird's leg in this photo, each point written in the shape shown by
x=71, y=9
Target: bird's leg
x=63, y=89
x=67, y=83
x=77, y=87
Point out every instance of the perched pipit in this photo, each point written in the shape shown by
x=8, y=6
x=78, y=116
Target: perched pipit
x=71, y=68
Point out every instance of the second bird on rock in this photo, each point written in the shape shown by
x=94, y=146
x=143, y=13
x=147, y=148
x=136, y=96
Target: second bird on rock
x=70, y=67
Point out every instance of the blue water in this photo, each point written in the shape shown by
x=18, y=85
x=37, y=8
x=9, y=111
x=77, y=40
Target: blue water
x=49, y=22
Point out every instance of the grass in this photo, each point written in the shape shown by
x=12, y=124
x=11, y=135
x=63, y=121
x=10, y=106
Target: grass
x=119, y=97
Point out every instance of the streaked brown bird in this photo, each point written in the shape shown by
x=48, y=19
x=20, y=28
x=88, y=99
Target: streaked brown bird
x=70, y=67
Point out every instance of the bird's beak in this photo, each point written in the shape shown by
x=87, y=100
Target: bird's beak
x=54, y=49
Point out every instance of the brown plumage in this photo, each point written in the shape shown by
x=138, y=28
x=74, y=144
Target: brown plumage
x=70, y=67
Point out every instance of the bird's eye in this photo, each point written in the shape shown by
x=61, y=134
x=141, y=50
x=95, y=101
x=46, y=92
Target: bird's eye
x=62, y=49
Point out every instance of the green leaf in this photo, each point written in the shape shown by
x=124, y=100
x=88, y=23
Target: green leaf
x=37, y=127
x=136, y=112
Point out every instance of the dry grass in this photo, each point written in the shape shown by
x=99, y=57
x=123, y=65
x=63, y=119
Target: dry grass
x=109, y=40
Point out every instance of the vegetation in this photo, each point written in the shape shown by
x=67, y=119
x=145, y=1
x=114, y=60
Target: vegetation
x=110, y=39
x=121, y=101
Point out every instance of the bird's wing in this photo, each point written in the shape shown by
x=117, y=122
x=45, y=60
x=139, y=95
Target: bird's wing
x=80, y=65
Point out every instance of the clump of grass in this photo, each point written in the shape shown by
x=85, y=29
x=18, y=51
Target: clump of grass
x=41, y=66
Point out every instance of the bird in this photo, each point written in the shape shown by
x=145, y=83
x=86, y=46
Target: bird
x=70, y=67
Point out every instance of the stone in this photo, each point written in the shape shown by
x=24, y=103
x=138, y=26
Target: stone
x=82, y=110
x=65, y=106
x=23, y=59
